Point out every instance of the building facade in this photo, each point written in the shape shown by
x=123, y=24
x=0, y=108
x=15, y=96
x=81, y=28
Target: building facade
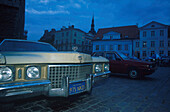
x=12, y=19
x=154, y=39
x=69, y=39
x=116, y=39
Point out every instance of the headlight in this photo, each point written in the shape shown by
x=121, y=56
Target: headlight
x=5, y=74
x=33, y=72
x=106, y=67
x=98, y=68
x=149, y=66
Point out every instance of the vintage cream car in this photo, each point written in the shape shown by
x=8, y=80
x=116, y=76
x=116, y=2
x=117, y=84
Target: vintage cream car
x=37, y=68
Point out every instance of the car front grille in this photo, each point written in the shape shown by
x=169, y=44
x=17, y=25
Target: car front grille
x=74, y=72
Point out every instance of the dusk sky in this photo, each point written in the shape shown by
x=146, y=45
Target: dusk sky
x=47, y=14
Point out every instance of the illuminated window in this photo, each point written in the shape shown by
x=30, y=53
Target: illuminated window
x=144, y=43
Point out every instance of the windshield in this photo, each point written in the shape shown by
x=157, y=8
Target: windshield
x=123, y=56
x=22, y=46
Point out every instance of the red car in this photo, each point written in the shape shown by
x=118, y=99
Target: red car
x=120, y=63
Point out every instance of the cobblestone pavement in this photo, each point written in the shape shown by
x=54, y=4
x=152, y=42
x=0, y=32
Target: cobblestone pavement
x=114, y=94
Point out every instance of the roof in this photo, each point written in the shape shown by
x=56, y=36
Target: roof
x=130, y=31
x=153, y=22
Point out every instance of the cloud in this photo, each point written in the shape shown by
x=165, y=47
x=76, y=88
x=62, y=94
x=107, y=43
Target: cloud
x=44, y=1
x=33, y=11
x=76, y=5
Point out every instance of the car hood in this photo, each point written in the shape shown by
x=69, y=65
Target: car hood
x=45, y=57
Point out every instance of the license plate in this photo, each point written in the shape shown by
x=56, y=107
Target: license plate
x=75, y=88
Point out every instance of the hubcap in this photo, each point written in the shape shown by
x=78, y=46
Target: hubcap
x=133, y=73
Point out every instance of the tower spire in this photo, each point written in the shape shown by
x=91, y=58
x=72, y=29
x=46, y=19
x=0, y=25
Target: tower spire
x=92, y=30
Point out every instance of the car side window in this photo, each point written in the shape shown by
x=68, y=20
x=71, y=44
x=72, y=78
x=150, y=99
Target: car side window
x=110, y=56
x=117, y=57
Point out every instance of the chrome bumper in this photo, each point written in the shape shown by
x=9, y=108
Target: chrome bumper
x=43, y=87
x=64, y=90
x=101, y=74
x=22, y=88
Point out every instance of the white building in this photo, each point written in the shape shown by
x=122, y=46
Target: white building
x=69, y=39
x=153, y=40
x=116, y=39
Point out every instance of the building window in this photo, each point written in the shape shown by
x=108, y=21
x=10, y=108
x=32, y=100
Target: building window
x=161, y=32
x=144, y=43
x=152, y=33
x=62, y=34
x=119, y=47
x=168, y=53
x=75, y=34
x=161, y=43
x=137, y=44
x=144, y=34
x=66, y=41
x=111, y=47
x=102, y=48
x=168, y=43
x=56, y=42
x=74, y=41
x=144, y=53
x=152, y=43
x=97, y=47
x=126, y=47
x=89, y=42
x=161, y=52
x=111, y=37
x=67, y=34
x=152, y=52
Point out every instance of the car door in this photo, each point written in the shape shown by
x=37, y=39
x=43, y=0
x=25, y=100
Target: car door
x=116, y=63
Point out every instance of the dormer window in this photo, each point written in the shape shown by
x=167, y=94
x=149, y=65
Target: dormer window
x=152, y=25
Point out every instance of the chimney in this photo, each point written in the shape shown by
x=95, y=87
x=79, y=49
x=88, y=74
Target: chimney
x=46, y=31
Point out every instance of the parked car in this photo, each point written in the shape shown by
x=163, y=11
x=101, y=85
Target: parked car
x=165, y=61
x=120, y=63
x=33, y=68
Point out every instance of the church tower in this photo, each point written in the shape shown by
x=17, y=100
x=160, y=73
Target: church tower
x=92, y=30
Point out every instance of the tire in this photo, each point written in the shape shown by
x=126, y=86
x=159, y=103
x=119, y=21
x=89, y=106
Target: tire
x=134, y=74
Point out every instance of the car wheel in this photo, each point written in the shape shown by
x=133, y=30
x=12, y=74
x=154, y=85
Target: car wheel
x=133, y=73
